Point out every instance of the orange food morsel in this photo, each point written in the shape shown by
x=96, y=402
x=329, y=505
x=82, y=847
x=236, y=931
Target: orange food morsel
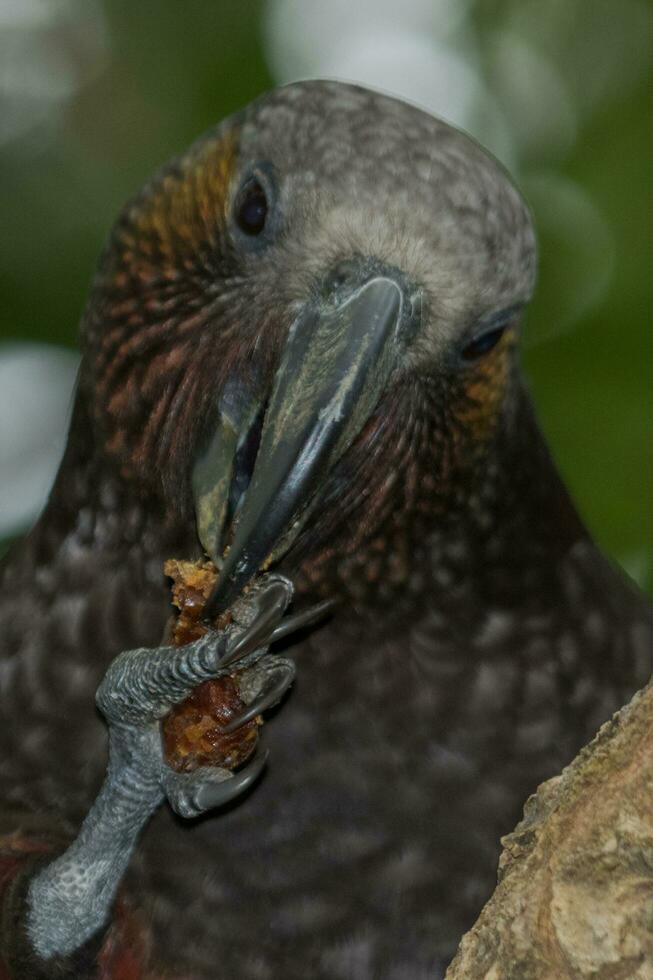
x=192, y=732
x=192, y=584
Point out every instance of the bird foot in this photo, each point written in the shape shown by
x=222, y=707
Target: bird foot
x=70, y=899
x=142, y=686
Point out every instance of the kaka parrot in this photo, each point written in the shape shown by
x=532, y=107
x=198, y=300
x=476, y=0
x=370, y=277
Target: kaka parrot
x=302, y=341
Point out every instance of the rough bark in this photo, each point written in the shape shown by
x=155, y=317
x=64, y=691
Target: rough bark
x=575, y=891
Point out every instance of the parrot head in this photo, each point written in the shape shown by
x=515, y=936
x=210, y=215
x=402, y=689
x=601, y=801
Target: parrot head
x=306, y=327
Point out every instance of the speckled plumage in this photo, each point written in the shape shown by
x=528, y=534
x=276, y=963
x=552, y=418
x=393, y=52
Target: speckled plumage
x=480, y=638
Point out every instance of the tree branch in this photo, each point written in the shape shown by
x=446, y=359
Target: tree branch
x=575, y=892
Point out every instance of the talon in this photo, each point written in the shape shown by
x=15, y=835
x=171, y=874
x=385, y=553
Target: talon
x=190, y=796
x=271, y=603
x=211, y=795
x=299, y=620
x=266, y=699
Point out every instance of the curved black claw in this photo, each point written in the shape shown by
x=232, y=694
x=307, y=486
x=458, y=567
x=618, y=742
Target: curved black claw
x=211, y=795
x=268, y=606
x=281, y=674
x=297, y=621
x=191, y=794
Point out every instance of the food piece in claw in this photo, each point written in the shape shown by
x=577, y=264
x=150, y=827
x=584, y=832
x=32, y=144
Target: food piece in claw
x=194, y=735
x=192, y=582
x=194, y=732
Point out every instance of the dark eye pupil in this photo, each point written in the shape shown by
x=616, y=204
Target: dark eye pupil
x=251, y=208
x=483, y=344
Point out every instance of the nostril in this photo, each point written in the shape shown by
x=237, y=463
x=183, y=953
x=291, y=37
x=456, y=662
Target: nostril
x=342, y=276
x=348, y=275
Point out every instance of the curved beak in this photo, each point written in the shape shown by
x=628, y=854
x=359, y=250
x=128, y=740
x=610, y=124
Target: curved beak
x=334, y=367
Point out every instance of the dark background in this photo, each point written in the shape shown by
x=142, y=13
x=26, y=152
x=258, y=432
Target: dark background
x=97, y=95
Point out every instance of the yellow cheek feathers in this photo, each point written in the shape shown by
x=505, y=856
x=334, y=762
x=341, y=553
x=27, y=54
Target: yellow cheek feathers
x=483, y=392
x=182, y=215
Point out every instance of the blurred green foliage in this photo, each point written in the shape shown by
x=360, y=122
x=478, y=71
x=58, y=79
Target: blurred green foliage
x=175, y=69
x=593, y=385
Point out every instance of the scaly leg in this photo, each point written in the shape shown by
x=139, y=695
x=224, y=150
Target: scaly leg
x=70, y=899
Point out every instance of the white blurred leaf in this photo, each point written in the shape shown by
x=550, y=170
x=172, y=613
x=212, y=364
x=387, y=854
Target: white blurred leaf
x=48, y=50
x=36, y=384
x=302, y=34
x=534, y=98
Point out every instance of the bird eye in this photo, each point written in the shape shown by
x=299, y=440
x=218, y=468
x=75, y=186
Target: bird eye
x=495, y=327
x=251, y=208
x=483, y=344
